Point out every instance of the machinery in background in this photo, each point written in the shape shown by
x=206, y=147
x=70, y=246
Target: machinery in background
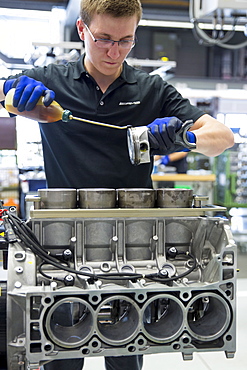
x=225, y=15
x=231, y=189
x=98, y=272
x=231, y=185
x=208, y=8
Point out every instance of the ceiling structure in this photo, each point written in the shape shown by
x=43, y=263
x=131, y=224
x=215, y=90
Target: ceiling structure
x=160, y=10
x=47, y=4
x=33, y=4
x=165, y=10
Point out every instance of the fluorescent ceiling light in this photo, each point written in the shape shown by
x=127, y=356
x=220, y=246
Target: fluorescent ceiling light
x=187, y=25
x=169, y=24
x=24, y=13
x=226, y=27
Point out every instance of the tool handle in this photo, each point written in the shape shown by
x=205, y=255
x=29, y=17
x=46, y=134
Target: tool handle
x=181, y=135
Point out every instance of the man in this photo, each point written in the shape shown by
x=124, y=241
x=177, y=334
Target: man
x=102, y=87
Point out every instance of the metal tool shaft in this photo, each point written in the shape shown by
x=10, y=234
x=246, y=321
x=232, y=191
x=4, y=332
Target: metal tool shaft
x=100, y=123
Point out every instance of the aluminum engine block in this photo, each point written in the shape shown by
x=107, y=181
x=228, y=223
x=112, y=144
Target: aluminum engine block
x=123, y=282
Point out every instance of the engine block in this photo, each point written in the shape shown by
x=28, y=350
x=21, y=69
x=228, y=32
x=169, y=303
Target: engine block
x=112, y=282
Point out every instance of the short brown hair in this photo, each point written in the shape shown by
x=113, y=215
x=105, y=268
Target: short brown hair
x=115, y=8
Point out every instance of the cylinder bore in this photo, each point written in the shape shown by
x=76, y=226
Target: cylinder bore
x=208, y=316
x=69, y=322
x=163, y=317
x=117, y=320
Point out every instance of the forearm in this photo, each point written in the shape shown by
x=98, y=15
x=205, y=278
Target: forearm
x=173, y=157
x=212, y=137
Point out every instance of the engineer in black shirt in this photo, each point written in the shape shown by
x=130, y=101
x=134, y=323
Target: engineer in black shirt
x=101, y=86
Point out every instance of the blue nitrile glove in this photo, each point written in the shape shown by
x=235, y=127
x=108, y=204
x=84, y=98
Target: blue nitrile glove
x=165, y=160
x=162, y=136
x=28, y=92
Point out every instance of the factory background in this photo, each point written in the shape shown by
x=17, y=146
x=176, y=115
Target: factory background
x=35, y=33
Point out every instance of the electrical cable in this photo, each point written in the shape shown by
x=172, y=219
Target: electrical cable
x=29, y=239
x=22, y=231
x=158, y=278
x=47, y=276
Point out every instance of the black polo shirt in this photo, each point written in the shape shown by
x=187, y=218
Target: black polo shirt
x=82, y=155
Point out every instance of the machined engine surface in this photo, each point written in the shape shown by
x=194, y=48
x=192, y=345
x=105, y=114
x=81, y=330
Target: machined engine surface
x=112, y=282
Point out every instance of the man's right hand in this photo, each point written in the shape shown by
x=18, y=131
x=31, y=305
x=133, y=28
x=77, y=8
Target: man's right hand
x=28, y=92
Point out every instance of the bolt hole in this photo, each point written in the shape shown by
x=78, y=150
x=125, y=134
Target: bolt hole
x=228, y=338
x=143, y=147
x=176, y=346
x=47, y=347
x=85, y=351
x=141, y=297
x=132, y=349
x=190, y=263
x=140, y=342
x=186, y=340
x=19, y=256
x=105, y=267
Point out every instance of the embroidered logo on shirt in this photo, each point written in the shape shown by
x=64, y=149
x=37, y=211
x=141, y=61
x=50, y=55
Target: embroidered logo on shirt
x=130, y=102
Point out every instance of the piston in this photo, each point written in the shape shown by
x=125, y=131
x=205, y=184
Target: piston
x=139, y=146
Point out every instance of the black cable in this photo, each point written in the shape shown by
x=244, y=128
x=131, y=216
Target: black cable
x=121, y=275
x=29, y=239
x=158, y=278
x=22, y=231
x=47, y=276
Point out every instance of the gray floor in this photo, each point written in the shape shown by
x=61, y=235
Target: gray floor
x=201, y=361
